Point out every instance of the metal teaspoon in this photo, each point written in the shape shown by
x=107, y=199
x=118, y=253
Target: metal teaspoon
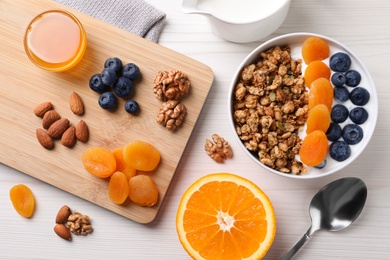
x=333, y=208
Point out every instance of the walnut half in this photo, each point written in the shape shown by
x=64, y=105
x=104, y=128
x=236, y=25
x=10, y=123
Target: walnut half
x=170, y=85
x=220, y=150
x=79, y=224
x=172, y=114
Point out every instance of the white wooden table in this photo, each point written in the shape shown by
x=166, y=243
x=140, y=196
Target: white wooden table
x=363, y=26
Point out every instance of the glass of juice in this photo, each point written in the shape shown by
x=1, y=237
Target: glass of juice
x=55, y=40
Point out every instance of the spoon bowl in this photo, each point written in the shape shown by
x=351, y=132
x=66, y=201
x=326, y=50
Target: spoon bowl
x=333, y=208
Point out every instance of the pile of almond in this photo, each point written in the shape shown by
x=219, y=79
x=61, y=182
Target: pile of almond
x=55, y=127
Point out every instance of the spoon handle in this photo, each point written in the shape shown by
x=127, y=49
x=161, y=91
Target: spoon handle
x=295, y=248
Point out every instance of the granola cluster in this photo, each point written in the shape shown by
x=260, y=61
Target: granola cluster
x=270, y=106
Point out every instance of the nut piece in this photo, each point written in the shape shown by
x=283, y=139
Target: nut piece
x=170, y=85
x=79, y=224
x=44, y=139
x=76, y=104
x=172, y=114
x=63, y=214
x=42, y=108
x=220, y=150
x=82, y=132
x=58, y=128
x=49, y=118
x=62, y=231
x=68, y=138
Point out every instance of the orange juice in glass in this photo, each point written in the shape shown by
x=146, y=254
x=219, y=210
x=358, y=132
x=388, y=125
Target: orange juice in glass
x=55, y=40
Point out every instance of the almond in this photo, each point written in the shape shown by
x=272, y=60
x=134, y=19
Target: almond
x=68, y=138
x=82, y=132
x=49, y=118
x=44, y=138
x=42, y=108
x=62, y=231
x=63, y=214
x=58, y=128
x=76, y=104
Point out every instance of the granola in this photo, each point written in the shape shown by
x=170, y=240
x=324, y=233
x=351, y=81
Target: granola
x=270, y=106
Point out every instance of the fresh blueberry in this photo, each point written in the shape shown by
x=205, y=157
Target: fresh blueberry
x=352, y=134
x=96, y=84
x=359, y=96
x=123, y=87
x=341, y=93
x=353, y=78
x=339, y=151
x=339, y=113
x=108, y=100
x=131, y=71
x=340, y=62
x=334, y=132
x=114, y=64
x=108, y=76
x=338, y=79
x=321, y=165
x=358, y=115
x=131, y=106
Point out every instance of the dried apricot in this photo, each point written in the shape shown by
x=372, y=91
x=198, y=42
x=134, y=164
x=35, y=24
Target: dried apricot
x=314, y=48
x=121, y=165
x=141, y=155
x=143, y=191
x=118, y=188
x=318, y=119
x=315, y=70
x=99, y=161
x=23, y=200
x=314, y=148
x=321, y=92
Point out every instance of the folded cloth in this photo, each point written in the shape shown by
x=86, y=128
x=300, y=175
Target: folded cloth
x=135, y=16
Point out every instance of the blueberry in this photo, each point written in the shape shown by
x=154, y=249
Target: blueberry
x=352, y=134
x=334, y=132
x=339, y=151
x=123, y=87
x=358, y=115
x=339, y=113
x=96, y=84
x=114, y=64
x=338, y=79
x=131, y=106
x=352, y=78
x=321, y=165
x=108, y=76
x=131, y=71
x=341, y=93
x=108, y=100
x=340, y=62
x=359, y=96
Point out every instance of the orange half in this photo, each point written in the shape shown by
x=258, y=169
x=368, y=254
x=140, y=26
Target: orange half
x=225, y=216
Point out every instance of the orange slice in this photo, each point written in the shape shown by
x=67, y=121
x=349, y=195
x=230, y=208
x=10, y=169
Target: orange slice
x=225, y=216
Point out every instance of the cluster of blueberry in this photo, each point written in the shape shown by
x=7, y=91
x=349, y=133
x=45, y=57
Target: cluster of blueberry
x=115, y=81
x=351, y=133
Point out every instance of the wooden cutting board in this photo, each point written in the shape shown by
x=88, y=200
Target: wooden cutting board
x=23, y=86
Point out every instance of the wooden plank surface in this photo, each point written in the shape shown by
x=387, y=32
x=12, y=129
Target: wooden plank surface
x=23, y=86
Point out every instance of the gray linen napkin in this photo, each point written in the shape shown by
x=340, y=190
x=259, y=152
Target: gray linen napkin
x=135, y=16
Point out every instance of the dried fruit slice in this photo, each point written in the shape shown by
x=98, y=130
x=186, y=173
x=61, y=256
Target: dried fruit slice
x=314, y=148
x=321, y=92
x=224, y=216
x=99, y=161
x=23, y=200
x=314, y=48
x=118, y=188
x=143, y=191
x=141, y=155
x=318, y=119
x=316, y=70
x=121, y=165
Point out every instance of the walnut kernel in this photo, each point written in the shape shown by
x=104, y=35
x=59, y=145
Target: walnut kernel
x=220, y=150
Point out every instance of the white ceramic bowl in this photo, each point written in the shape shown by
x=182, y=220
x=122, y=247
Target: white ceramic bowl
x=259, y=19
x=295, y=41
